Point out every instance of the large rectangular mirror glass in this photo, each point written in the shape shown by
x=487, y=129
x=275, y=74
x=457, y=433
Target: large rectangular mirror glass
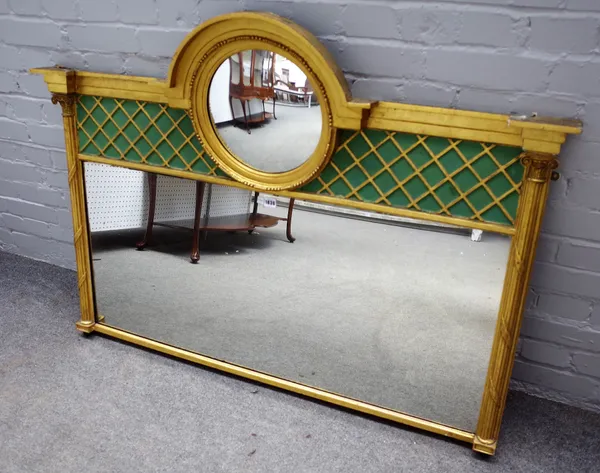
x=394, y=313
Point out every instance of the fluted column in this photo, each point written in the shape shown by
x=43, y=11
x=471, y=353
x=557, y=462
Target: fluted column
x=78, y=210
x=534, y=190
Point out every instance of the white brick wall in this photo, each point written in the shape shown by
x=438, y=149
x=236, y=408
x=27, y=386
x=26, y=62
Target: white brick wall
x=492, y=55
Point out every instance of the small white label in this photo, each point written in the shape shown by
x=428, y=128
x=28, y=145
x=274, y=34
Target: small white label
x=476, y=235
x=268, y=201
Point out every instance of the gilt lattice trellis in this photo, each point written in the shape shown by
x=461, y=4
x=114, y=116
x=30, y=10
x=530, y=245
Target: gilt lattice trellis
x=445, y=176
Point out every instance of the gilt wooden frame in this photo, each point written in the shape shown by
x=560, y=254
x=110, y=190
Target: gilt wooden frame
x=186, y=88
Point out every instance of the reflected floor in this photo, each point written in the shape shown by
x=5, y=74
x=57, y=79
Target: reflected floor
x=396, y=316
x=297, y=130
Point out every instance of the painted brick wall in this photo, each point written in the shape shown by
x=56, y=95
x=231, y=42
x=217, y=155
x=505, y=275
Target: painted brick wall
x=504, y=56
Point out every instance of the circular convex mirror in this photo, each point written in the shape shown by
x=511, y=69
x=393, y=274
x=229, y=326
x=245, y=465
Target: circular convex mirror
x=265, y=111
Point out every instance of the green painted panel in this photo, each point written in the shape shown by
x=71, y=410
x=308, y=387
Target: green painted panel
x=457, y=178
x=478, y=181
x=141, y=132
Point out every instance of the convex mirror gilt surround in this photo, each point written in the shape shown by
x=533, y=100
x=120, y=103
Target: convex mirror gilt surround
x=254, y=82
x=458, y=169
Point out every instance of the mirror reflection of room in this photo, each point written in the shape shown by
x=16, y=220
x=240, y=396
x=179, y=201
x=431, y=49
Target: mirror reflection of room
x=367, y=305
x=265, y=110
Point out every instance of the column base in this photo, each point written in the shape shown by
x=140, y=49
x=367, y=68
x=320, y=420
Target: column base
x=85, y=326
x=487, y=447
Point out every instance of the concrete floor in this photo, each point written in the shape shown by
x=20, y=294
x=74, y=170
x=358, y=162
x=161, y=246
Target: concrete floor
x=399, y=317
x=71, y=404
x=297, y=131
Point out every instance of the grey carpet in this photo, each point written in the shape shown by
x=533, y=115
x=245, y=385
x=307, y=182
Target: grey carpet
x=396, y=316
x=70, y=403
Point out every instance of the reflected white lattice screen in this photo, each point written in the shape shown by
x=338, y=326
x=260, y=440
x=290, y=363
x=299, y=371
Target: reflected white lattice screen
x=118, y=198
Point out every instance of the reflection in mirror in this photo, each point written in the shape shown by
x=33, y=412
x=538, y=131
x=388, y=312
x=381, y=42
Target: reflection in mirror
x=396, y=314
x=265, y=110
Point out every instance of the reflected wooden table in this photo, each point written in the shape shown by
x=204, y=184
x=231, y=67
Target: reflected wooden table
x=232, y=223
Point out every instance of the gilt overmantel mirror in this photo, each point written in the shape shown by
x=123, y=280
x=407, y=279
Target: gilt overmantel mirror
x=374, y=255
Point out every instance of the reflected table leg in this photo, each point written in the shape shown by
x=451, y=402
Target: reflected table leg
x=288, y=228
x=254, y=209
x=195, y=255
x=152, y=178
x=246, y=115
